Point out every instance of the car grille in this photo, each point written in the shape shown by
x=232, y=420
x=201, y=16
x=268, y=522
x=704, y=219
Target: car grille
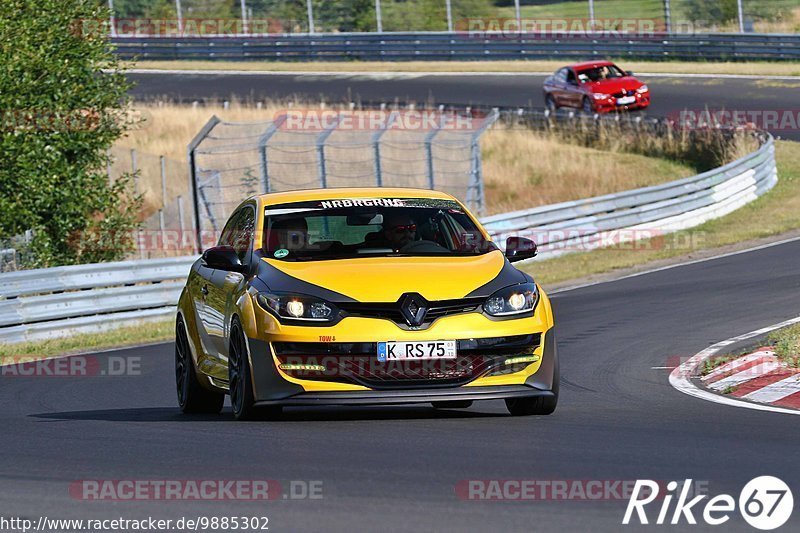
x=391, y=311
x=621, y=94
x=357, y=363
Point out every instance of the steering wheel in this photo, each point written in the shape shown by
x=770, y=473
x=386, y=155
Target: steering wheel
x=422, y=246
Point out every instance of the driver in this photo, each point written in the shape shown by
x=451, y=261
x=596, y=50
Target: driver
x=291, y=234
x=398, y=230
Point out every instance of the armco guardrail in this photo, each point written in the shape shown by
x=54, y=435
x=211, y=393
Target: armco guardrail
x=60, y=301
x=424, y=46
x=580, y=224
x=37, y=304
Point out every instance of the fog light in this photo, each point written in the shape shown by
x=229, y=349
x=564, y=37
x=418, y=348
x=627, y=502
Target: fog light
x=287, y=366
x=522, y=359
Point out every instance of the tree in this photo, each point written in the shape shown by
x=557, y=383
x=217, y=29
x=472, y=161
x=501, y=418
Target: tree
x=60, y=115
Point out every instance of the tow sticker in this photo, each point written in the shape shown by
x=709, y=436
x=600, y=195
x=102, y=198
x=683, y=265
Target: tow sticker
x=281, y=253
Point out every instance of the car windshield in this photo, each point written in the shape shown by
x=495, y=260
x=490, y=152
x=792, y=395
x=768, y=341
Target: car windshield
x=369, y=227
x=605, y=72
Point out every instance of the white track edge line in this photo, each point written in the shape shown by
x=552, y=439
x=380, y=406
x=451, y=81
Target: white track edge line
x=680, y=377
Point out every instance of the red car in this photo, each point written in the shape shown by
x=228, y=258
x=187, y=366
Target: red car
x=595, y=86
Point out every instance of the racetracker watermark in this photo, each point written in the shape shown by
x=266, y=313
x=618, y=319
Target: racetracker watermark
x=564, y=240
x=68, y=120
x=375, y=120
x=555, y=28
x=588, y=239
x=194, y=490
x=77, y=366
x=147, y=240
x=42, y=120
x=178, y=28
x=556, y=489
x=773, y=120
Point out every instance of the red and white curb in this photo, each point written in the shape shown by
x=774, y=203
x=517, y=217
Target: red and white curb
x=759, y=377
x=756, y=377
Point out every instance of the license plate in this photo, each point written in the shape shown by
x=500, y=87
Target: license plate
x=625, y=100
x=404, y=351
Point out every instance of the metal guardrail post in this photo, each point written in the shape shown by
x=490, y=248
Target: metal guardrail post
x=262, y=150
x=449, y=10
x=323, y=175
x=202, y=134
x=740, y=12
x=429, y=171
x=376, y=148
x=476, y=162
x=181, y=225
x=178, y=12
x=310, y=10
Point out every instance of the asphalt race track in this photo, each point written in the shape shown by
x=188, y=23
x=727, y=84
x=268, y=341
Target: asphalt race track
x=670, y=95
x=396, y=468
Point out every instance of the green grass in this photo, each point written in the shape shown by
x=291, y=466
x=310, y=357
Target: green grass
x=787, y=344
x=88, y=342
x=603, y=9
x=773, y=214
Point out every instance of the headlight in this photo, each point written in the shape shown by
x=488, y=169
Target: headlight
x=514, y=300
x=298, y=307
x=600, y=96
x=643, y=89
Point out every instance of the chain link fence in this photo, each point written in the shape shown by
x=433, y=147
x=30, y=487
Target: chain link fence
x=303, y=149
x=166, y=216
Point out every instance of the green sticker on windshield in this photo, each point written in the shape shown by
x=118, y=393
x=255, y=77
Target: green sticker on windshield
x=280, y=254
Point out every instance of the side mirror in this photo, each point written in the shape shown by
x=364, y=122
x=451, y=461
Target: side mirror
x=629, y=73
x=519, y=249
x=223, y=258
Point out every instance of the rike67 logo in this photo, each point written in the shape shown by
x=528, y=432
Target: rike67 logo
x=765, y=503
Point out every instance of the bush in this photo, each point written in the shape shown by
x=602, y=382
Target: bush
x=60, y=115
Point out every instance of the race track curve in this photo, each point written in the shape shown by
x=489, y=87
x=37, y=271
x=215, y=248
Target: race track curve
x=670, y=94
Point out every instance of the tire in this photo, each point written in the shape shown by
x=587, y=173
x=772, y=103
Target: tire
x=240, y=380
x=531, y=406
x=192, y=397
x=550, y=103
x=587, y=107
x=452, y=404
x=540, y=405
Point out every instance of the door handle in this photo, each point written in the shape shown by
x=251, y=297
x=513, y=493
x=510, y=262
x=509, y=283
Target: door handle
x=204, y=290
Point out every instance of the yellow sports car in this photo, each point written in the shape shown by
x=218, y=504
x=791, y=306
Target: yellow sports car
x=362, y=296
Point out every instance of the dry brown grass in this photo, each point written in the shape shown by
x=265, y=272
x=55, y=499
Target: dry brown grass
x=526, y=169
x=522, y=168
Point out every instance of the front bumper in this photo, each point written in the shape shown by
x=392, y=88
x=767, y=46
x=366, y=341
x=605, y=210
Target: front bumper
x=274, y=387
x=610, y=104
x=409, y=396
